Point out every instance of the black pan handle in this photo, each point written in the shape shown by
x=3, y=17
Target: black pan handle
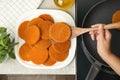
x=94, y=70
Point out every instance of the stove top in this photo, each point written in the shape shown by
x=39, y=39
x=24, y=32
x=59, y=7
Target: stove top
x=83, y=64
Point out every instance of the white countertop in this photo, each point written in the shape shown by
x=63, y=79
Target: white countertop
x=14, y=67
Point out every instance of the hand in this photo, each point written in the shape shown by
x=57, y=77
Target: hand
x=103, y=38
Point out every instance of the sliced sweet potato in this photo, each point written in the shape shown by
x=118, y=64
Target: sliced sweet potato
x=60, y=32
x=35, y=21
x=47, y=17
x=22, y=28
x=43, y=44
x=39, y=56
x=25, y=52
x=44, y=27
x=57, y=56
x=116, y=16
x=49, y=62
x=32, y=34
x=61, y=47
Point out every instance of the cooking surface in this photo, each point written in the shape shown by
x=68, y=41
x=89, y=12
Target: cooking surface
x=83, y=64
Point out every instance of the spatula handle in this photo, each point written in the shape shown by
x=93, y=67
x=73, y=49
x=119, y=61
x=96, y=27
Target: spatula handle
x=108, y=26
x=113, y=26
x=78, y=31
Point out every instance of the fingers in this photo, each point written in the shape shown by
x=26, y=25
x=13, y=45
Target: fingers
x=107, y=35
x=100, y=34
x=94, y=34
x=101, y=31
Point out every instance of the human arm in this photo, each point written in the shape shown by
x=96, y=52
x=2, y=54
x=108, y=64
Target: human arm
x=103, y=38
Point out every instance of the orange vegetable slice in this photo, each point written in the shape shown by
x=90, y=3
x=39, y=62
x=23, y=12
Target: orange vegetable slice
x=116, y=16
x=61, y=47
x=35, y=21
x=22, y=28
x=43, y=44
x=25, y=52
x=39, y=56
x=60, y=32
x=32, y=34
x=49, y=62
x=57, y=56
x=44, y=27
x=47, y=17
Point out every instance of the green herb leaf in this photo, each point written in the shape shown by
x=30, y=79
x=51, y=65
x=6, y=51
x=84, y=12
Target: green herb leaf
x=1, y=47
x=6, y=40
x=2, y=43
x=11, y=45
x=2, y=58
x=3, y=52
x=12, y=55
x=2, y=29
x=3, y=35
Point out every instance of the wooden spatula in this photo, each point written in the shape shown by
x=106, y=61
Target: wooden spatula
x=78, y=31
